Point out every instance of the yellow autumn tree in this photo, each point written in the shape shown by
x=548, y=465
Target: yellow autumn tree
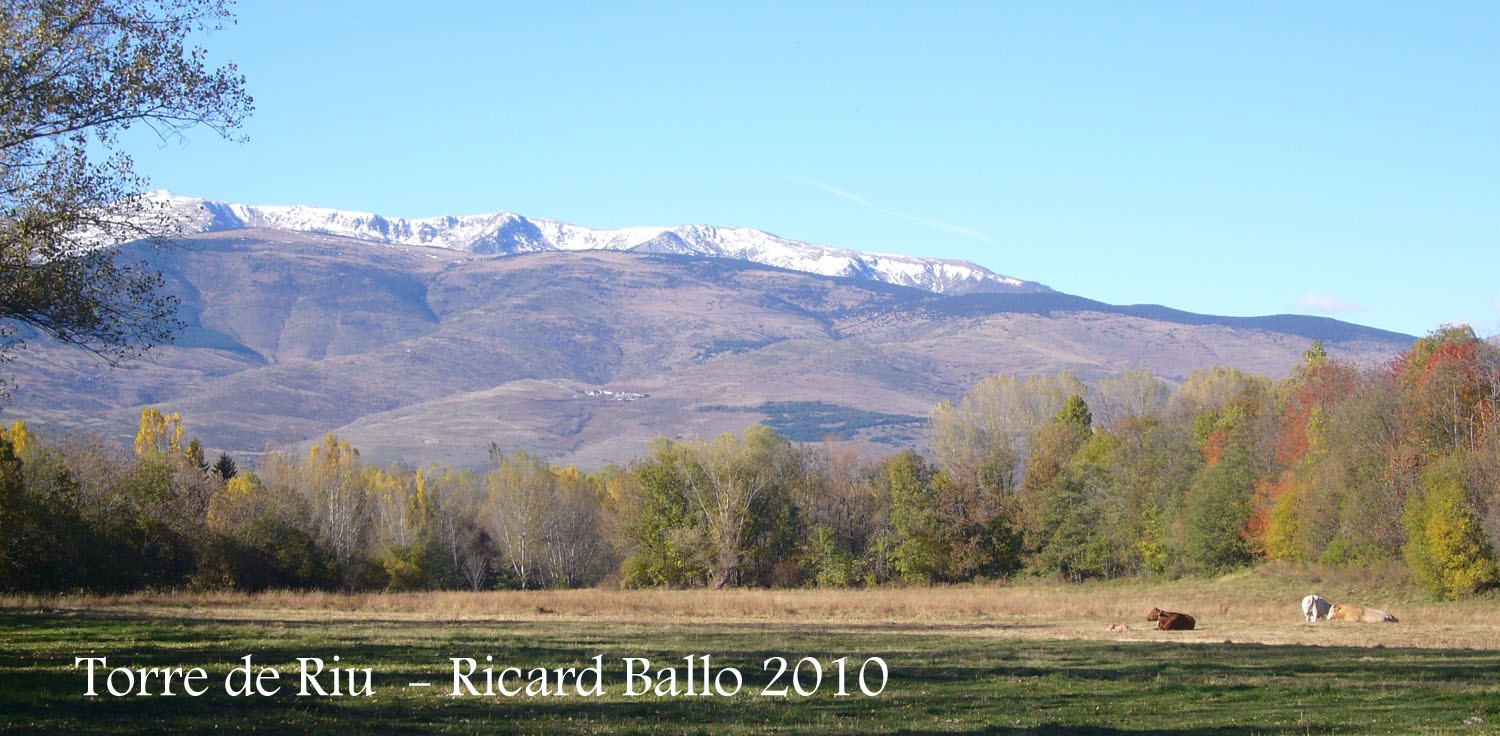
x=19, y=436
x=335, y=486
x=226, y=509
x=1446, y=545
x=399, y=514
x=158, y=432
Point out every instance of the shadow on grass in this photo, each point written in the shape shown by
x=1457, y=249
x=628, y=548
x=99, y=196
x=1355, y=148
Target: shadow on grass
x=1061, y=729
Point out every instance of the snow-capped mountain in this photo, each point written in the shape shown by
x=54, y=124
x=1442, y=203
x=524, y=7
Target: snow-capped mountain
x=509, y=233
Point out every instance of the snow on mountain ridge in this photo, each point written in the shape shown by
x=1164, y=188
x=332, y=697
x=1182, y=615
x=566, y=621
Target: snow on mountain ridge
x=509, y=233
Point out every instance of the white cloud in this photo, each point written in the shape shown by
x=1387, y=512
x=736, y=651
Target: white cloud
x=1320, y=304
x=949, y=227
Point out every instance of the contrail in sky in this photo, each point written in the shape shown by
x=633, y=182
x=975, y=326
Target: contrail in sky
x=949, y=227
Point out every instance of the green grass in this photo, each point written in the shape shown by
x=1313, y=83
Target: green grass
x=941, y=681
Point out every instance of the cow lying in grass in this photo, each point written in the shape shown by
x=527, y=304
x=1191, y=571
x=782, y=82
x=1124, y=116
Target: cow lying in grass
x=1314, y=608
x=1355, y=613
x=1171, y=620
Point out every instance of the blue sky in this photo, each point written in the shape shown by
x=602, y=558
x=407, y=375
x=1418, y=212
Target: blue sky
x=1242, y=159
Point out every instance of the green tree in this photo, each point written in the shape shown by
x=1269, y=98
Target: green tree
x=1044, y=496
x=659, y=540
x=917, y=545
x=829, y=563
x=843, y=513
x=261, y=537
x=1214, y=516
x=225, y=469
x=1217, y=510
x=1139, y=474
x=74, y=74
x=737, y=488
x=17, y=521
x=1359, y=484
x=1081, y=518
x=980, y=443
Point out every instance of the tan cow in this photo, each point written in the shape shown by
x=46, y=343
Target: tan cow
x=1342, y=612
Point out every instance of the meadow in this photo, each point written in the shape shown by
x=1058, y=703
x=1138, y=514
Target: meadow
x=1027, y=658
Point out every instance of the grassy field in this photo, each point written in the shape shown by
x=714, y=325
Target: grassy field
x=1034, y=659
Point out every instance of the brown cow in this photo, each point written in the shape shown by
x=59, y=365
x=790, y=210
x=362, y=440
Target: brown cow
x=1171, y=620
x=1342, y=612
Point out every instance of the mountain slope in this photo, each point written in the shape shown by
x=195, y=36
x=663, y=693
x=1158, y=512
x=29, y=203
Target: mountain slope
x=430, y=354
x=508, y=233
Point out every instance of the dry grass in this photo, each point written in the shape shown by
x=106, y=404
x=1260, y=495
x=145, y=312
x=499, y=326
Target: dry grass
x=1254, y=606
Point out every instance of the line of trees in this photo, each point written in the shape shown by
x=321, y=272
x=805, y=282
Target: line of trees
x=1027, y=475
x=1039, y=474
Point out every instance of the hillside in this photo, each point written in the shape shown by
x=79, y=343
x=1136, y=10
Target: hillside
x=431, y=354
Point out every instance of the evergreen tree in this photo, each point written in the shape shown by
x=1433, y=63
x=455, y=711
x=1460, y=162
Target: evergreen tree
x=225, y=469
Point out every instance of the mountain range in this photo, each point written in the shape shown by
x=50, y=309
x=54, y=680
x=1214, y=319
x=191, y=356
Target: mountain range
x=427, y=340
x=505, y=233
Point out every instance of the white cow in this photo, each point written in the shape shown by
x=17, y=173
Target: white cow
x=1314, y=608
